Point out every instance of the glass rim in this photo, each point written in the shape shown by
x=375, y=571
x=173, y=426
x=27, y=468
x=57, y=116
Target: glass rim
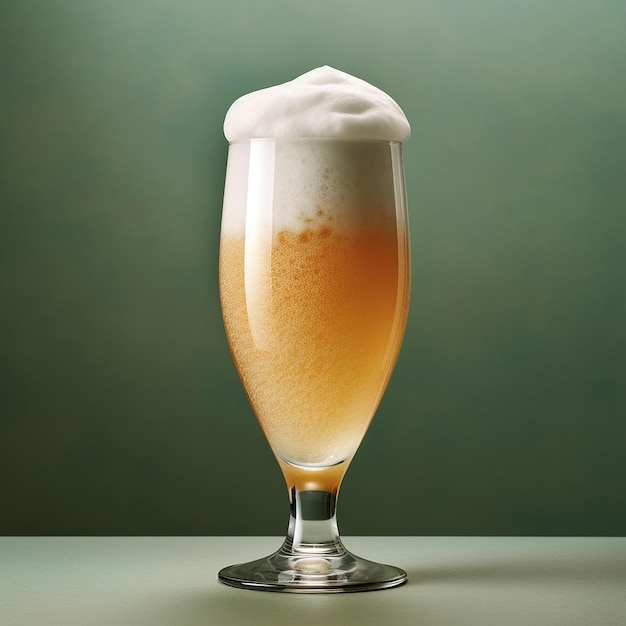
x=314, y=139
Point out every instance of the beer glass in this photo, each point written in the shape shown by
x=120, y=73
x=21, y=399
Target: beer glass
x=314, y=285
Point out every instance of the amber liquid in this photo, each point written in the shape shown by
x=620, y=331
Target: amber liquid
x=316, y=335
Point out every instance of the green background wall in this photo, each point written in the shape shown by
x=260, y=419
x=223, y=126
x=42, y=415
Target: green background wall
x=120, y=409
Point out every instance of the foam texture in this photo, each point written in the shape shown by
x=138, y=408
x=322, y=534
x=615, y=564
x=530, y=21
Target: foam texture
x=324, y=102
x=275, y=185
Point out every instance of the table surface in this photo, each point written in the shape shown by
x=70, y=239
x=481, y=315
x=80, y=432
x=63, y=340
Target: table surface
x=173, y=581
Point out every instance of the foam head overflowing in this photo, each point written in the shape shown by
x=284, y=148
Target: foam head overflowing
x=325, y=103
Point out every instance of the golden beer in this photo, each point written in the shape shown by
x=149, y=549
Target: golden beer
x=316, y=333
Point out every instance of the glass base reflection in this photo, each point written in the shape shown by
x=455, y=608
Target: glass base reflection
x=318, y=570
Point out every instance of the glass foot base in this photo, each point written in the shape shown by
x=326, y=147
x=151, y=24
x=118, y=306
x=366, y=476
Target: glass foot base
x=312, y=573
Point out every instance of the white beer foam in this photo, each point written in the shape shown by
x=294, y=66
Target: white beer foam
x=309, y=184
x=324, y=102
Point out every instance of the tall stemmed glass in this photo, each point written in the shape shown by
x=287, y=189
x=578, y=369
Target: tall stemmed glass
x=314, y=283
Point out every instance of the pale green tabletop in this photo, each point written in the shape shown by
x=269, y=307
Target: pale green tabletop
x=173, y=581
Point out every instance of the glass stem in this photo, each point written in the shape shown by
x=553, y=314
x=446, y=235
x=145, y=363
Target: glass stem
x=313, y=524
